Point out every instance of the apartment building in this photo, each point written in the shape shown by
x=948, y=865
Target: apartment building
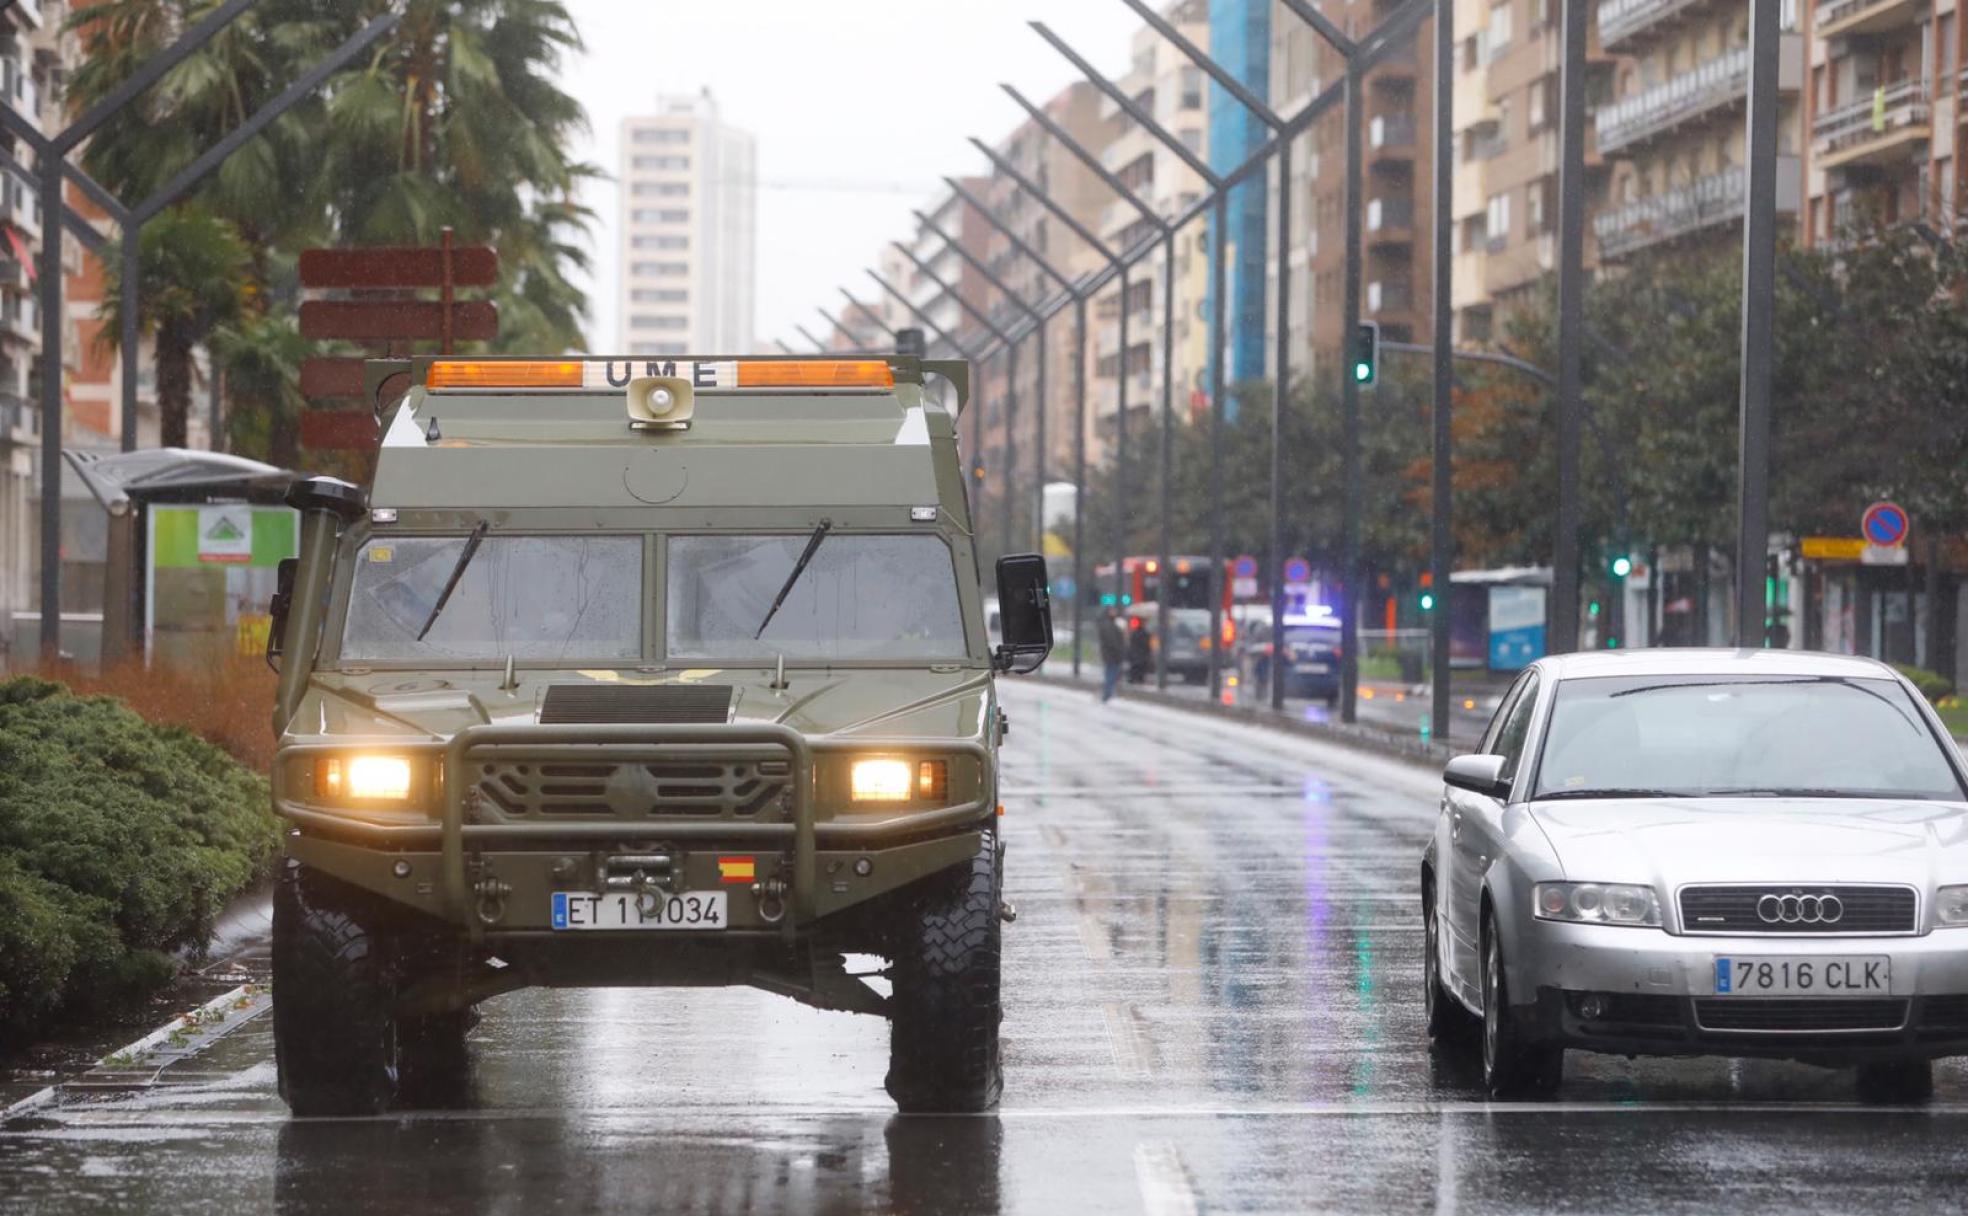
x=1397, y=138
x=22, y=27
x=1887, y=120
x=1673, y=126
x=1241, y=39
x=1163, y=84
x=688, y=232
x=1048, y=164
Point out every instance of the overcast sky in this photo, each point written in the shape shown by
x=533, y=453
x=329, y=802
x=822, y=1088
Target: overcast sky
x=859, y=107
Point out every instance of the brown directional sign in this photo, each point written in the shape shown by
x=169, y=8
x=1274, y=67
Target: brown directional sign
x=471, y=266
x=338, y=430
x=383, y=320
x=329, y=376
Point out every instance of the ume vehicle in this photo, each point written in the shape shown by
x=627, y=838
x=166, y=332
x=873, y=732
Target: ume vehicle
x=642, y=673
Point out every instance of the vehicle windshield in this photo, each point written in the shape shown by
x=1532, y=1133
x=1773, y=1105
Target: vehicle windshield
x=861, y=597
x=534, y=598
x=1311, y=637
x=1764, y=735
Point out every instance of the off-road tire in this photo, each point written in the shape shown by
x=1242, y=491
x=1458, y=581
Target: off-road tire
x=1896, y=1081
x=432, y=1062
x=1514, y=1065
x=946, y=971
x=1448, y=1022
x=334, y=1028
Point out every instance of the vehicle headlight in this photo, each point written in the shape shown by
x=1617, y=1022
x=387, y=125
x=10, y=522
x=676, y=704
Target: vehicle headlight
x=1951, y=907
x=363, y=778
x=1596, y=903
x=889, y=779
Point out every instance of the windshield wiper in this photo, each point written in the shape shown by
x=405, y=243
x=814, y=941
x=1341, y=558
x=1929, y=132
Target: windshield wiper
x=1610, y=792
x=799, y=568
x=457, y=572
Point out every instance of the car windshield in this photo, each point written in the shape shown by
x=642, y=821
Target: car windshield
x=1764, y=735
x=861, y=597
x=533, y=598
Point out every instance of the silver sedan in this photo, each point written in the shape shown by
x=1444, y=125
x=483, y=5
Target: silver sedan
x=1704, y=852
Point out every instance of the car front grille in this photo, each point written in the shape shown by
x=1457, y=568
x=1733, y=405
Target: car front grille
x=1863, y=909
x=740, y=782
x=1800, y=1015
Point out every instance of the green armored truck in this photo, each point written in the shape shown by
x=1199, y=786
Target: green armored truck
x=642, y=672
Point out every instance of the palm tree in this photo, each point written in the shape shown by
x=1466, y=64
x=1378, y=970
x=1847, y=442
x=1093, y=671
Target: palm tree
x=192, y=275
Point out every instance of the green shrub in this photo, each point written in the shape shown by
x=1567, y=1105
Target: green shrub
x=1932, y=685
x=120, y=843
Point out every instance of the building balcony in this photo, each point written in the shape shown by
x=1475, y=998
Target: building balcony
x=1838, y=18
x=1386, y=132
x=1391, y=219
x=1719, y=85
x=1875, y=127
x=1706, y=202
x=1389, y=295
x=20, y=320
x=1634, y=21
x=17, y=417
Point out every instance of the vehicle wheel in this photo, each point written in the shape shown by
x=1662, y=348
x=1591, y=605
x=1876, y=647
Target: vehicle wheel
x=1332, y=700
x=1448, y=1021
x=433, y=1063
x=1897, y=1081
x=944, y=1014
x=1513, y=1065
x=334, y=1029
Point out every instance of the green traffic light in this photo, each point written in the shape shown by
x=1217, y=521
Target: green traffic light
x=1622, y=566
x=1592, y=609
x=1427, y=601
x=1363, y=372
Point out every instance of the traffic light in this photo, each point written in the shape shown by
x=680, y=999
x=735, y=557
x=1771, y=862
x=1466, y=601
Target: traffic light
x=1426, y=600
x=1622, y=565
x=1366, y=353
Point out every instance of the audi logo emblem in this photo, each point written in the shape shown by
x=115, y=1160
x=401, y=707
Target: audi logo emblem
x=1800, y=909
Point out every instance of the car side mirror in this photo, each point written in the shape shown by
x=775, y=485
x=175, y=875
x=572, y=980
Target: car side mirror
x=1024, y=614
x=277, y=608
x=1477, y=774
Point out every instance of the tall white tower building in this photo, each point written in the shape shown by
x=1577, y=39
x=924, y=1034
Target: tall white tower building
x=688, y=231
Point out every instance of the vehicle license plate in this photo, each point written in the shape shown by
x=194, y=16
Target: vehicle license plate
x=1317, y=669
x=1804, y=975
x=639, y=910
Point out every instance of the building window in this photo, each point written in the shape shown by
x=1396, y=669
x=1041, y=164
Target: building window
x=658, y=295
x=659, y=189
x=646, y=321
x=1192, y=88
x=1139, y=172
x=660, y=269
x=659, y=348
x=1496, y=221
x=660, y=135
x=1499, y=31
x=661, y=162
x=660, y=215
x=659, y=242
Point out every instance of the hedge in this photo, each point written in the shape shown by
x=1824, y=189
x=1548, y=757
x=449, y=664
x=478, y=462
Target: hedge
x=120, y=843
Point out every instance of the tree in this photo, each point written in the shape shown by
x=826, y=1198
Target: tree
x=192, y=275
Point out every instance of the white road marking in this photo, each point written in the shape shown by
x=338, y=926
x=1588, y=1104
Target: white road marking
x=1166, y=1189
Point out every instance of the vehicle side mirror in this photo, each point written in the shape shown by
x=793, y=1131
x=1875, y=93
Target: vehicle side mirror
x=1477, y=774
x=1024, y=614
x=277, y=608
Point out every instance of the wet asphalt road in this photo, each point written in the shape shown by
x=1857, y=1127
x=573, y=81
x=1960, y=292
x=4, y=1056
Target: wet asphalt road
x=1212, y=1005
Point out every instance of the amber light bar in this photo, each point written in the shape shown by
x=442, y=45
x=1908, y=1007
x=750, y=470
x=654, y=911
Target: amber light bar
x=816, y=373
x=505, y=373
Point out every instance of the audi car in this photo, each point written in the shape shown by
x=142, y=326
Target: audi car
x=1702, y=852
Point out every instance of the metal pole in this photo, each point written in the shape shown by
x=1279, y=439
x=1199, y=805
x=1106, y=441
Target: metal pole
x=1079, y=472
x=1349, y=613
x=1571, y=301
x=1007, y=498
x=1168, y=462
x=1758, y=305
x=1441, y=539
x=1120, y=448
x=1219, y=334
x=132, y=247
x=1280, y=397
x=50, y=167
x=1044, y=404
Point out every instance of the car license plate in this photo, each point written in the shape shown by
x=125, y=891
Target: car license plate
x=1804, y=975
x=699, y=910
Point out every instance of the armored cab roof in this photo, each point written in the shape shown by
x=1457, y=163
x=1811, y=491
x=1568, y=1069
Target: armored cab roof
x=478, y=434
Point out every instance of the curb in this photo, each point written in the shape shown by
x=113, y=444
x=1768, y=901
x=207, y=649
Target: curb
x=1355, y=735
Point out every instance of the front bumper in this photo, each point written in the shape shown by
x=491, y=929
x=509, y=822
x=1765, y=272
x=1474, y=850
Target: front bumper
x=498, y=877
x=1657, y=995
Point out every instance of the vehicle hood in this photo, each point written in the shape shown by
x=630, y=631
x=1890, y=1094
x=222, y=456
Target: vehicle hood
x=1669, y=842
x=883, y=703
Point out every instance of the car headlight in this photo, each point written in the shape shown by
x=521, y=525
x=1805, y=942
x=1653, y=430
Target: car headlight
x=1596, y=903
x=363, y=778
x=1951, y=907
x=889, y=779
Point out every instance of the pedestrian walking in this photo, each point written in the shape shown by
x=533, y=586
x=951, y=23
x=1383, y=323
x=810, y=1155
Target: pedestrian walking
x=1113, y=651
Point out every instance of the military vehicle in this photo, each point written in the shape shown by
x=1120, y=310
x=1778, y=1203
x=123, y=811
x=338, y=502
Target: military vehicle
x=642, y=672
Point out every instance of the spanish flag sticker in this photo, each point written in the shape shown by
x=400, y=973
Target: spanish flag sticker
x=737, y=869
